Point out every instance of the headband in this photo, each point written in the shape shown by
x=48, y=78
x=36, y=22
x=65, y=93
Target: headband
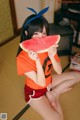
x=38, y=15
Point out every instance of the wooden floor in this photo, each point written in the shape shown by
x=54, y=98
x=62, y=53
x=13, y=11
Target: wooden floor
x=12, y=88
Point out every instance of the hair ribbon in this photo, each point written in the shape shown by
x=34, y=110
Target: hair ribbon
x=38, y=15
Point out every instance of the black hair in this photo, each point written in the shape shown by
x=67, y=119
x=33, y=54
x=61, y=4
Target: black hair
x=35, y=25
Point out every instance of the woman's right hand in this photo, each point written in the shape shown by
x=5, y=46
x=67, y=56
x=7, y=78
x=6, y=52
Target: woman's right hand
x=33, y=55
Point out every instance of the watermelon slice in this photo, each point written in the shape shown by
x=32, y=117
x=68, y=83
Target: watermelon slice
x=40, y=45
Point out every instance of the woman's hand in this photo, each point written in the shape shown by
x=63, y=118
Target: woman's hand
x=52, y=51
x=33, y=55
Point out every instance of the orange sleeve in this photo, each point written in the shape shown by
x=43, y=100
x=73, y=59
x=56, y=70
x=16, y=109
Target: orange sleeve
x=56, y=57
x=24, y=64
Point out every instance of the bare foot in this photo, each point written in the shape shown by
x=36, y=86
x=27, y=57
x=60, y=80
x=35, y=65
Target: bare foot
x=58, y=107
x=54, y=101
x=51, y=98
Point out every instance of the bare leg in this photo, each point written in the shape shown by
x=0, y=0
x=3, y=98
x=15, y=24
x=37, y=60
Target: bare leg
x=62, y=83
x=54, y=94
x=57, y=79
x=43, y=107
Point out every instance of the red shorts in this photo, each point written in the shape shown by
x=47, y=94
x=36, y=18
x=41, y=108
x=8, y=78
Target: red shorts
x=32, y=93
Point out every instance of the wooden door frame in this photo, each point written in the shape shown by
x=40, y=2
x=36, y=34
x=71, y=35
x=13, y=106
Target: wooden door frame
x=14, y=17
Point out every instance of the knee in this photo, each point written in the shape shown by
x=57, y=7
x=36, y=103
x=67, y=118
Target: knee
x=77, y=76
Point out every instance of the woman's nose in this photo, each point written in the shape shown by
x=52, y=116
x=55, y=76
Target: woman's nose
x=41, y=35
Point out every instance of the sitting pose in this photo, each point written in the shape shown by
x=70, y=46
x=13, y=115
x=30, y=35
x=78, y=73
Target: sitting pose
x=42, y=88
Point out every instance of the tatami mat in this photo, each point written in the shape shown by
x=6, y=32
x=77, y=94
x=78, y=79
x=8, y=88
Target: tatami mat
x=12, y=88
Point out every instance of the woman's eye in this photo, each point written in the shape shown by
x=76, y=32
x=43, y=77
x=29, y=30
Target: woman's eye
x=35, y=33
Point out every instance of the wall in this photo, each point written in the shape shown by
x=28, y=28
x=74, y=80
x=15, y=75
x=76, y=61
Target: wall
x=6, y=25
x=53, y=6
x=50, y=14
x=22, y=12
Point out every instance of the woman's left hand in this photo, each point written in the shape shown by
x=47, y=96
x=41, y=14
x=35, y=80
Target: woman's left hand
x=52, y=51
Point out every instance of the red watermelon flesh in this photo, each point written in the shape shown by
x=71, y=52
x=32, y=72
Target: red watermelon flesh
x=40, y=45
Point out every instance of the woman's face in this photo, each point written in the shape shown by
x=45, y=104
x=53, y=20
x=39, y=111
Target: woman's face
x=40, y=34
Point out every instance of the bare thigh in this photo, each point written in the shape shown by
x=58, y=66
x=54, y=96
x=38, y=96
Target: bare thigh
x=57, y=79
x=43, y=107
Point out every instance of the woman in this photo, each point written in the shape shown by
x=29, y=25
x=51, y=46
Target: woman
x=42, y=89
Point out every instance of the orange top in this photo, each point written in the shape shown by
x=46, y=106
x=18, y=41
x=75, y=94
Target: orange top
x=26, y=64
